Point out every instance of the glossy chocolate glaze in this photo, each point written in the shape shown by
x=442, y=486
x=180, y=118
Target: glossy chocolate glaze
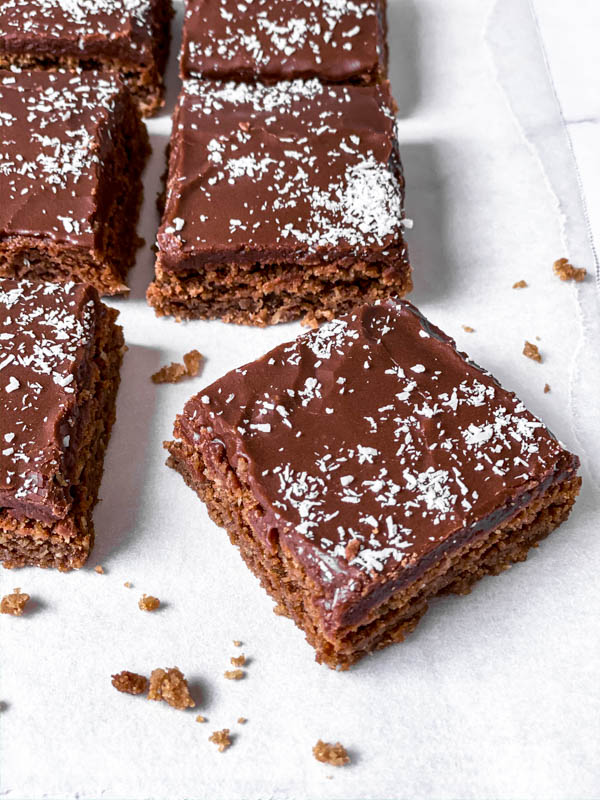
x=47, y=332
x=284, y=39
x=298, y=171
x=55, y=140
x=373, y=446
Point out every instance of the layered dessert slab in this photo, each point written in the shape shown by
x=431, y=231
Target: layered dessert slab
x=367, y=467
x=282, y=201
x=72, y=151
x=130, y=37
x=337, y=41
x=60, y=355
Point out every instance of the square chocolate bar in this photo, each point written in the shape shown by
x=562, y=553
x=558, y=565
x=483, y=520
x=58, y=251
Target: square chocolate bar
x=282, y=201
x=60, y=354
x=368, y=467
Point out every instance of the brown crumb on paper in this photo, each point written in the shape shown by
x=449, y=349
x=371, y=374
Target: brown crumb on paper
x=520, y=285
x=234, y=674
x=129, y=682
x=468, y=329
x=532, y=352
x=567, y=272
x=200, y=718
x=170, y=685
x=99, y=569
x=148, y=603
x=242, y=720
x=238, y=661
x=221, y=739
x=237, y=643
x=546, y=388
x=14, y=604
x=128, y=585
x=174, y=372
x=334, y=754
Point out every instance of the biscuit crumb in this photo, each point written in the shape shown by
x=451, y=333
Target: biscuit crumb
x=333, y=754
x=546, y=388
x=148, y=603
x=99, y=569
x=468, y=329
x=200, y=718
x=128, y=585
x=532, y=351
x=221, y=739
x=237, y=643
x=129, y=682
x=352, y=549
x=238, y=661
x=170, y=685
x=242, y=720
x=567, y=272
x=234, y=674
x=520, y=285
x=174, y=372
x=14, y=603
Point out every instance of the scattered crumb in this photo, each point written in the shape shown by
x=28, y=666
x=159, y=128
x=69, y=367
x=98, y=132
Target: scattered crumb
x=128, y=585
x=567, y=272
x=237, y=643
x=234, y=674
x=129, y=682
x=99, y=569
x=329, y=777
x=546, y=388
x=175, y=372
x=148, y=603
x=170, y=685
x=200, y=718
x=532, y=352
x=520, y=285
x=334, y=754
x=468, y=329
x=352, y=549
x=238, y=661
x=14, y=603
x=221, y=739
x=242, y=720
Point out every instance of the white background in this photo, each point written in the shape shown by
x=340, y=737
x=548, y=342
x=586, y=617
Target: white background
x=496, y=694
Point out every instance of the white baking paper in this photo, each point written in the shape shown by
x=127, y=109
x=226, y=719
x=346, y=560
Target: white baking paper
x=496, y=694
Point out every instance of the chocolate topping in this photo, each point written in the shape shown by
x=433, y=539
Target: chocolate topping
x=55, y=132
x=335, y=40
x=373, y=446
x=88, y=29
x=296, y=171
x=46, y=333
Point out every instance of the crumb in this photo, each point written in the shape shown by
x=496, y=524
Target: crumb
x=238, y=661
x=221, y=739
x=148, y=603
x=129, y=682
x=546, y=388
x=520, y=285
x=237, y=643
x=175, y=372
x=334, y=754
x=170, y=685
x=14, y=603
x=242, y=720
x=567, y=272
x=200, y=718
x=352, y=549
x=468, y=329
x=532, y=352
x=128, y=585
x=99, y=569
x=234, y=674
